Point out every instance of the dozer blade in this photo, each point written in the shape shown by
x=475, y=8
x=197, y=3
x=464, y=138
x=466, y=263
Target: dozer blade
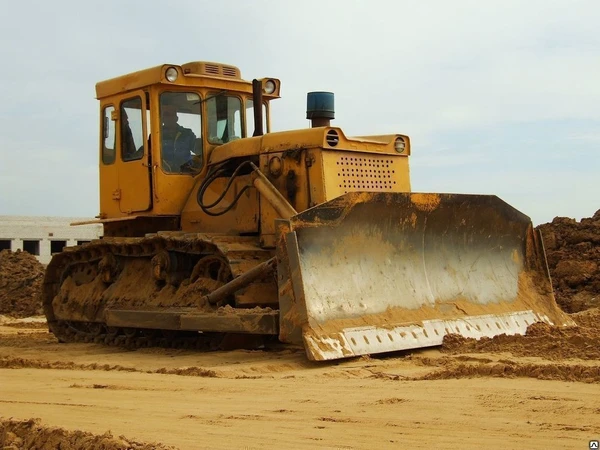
x=371, y=272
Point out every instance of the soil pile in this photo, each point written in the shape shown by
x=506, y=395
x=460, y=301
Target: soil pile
x=556, y=371
x=30, y=434
x=573, y=253
x=21, y=276
x=542, y=340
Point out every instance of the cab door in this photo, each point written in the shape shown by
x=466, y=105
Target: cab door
x=109, y=175
x=133, y=162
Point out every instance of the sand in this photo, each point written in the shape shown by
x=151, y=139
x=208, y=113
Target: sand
x=160, y=398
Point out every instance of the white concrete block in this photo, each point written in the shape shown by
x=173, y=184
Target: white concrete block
x=43, y=230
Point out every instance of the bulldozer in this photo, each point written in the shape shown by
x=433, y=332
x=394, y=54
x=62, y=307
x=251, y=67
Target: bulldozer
x=220, y=232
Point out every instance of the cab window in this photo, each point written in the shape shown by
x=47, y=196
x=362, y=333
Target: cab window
x=132, y=133
x=224, y=121
x=108, y=135
x=181, y=132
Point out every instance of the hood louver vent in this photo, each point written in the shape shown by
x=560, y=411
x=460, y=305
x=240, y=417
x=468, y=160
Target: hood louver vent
x=230, y=72
x=211, y=69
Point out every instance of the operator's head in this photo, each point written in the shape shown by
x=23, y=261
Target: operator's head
x=168, y=115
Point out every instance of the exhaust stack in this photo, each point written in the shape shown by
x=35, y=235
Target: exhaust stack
x=320, y=108
x=257, y=98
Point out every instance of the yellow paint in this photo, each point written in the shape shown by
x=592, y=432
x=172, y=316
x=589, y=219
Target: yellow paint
x=346, y=171
x=124, y=185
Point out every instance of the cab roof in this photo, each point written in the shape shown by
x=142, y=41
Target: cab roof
x=196, y=73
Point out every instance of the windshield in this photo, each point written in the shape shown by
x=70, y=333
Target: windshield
x=181, y=132
x=224, y=118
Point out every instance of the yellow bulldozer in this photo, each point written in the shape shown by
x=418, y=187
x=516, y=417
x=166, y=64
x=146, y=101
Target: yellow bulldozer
x=219, y=232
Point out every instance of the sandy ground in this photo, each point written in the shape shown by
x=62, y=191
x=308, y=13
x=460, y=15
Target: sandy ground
x=440, y=398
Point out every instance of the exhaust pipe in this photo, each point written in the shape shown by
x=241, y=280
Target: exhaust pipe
x=258, y=111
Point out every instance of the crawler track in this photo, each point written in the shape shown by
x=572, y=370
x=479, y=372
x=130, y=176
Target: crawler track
x=171, y=271
x=135, y=337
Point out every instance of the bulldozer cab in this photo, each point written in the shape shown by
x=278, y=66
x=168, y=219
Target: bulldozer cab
x=158, y=128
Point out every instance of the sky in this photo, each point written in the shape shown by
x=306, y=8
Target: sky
x=498, y=97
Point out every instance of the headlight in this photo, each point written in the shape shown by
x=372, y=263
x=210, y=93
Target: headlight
x=270, y=87
x=171, y=74
x=399, y=144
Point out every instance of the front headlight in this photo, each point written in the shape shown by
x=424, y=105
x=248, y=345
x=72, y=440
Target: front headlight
x=399, y=144
x=171, y=74
x=270, y=87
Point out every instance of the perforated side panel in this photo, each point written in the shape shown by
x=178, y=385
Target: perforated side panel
x=366, y=173
x=352, y=171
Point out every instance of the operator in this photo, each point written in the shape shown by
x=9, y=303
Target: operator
x=177, y=142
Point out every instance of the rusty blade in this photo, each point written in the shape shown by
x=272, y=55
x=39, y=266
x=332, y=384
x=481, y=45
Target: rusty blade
x=373, y=272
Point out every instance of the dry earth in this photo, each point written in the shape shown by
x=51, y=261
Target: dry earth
x=573, y=252
x=472, y=397
x=21, y=278
x=536, y=391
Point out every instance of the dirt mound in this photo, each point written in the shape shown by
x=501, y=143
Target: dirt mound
x=513, y=369
x=589, y=318
x=30, y=434
x=542, y=340
x=573, y=252
x=21, y=276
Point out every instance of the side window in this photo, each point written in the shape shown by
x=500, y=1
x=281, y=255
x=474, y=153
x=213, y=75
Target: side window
x=250, y=118
x=224, y=124
x=108, y=135
x=132, y=134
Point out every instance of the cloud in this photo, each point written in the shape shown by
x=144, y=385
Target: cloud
x=497, y=96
